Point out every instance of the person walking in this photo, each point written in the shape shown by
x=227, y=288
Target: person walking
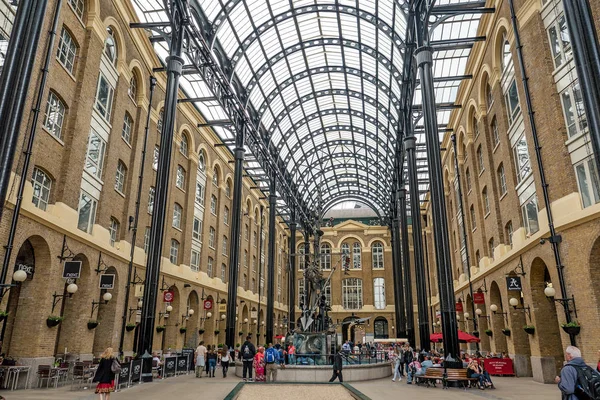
x=337, y=366
x=272, y=361
x=408, y=356
x=247, y=353
x=568, y=381
x=396, y=363
x=200, y=355
x=212, y=361
x=105, y=374
x=225, y=361
x=259, y=365
x=292, y=354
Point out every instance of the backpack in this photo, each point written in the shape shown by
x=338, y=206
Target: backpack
x=270, y=355
x=587, y=386
x=246, y=351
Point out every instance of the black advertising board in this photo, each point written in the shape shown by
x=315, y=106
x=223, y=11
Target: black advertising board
x=107, y=281
x=170, y=365
x=71, y=269
x=514, y=283
x=136, y=371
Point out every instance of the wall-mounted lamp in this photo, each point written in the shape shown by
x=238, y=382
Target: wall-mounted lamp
x=550, y=292
x=494, y=309
x=514, y=302
x=70, y=290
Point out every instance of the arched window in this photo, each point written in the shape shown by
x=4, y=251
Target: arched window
x=301, y=258
x=213, y=204
x=486, y=201
x=480, y=159
x=356, y=255
x=502, y=179
x=201, y=162
x=381, y=328
x=491, y=246
x=78, y=7
x=180, y=180
x=377, y=254
x=228, y=188
x=226, y=215
x=159, y=123
x=488, y=95
x=133, y=87
x=379, y=293
x=120, y=177
x=473, y=220
x=352, y=293
x=224, y=246
x=42, y=184
x=55, y=115
x=325, y=260
x=506, y=54
x=110, y=46
x=113, y=230
x=67, y=50
x=223, y=272
x=475, y=127
x=174, y=252
x=215, y=178
x=183, y=145
x=209, y=267
x=127, y=126
x=345, y=249
x=177, y=211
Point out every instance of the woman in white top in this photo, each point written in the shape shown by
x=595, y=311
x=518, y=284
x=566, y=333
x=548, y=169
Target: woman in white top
x=225, y=361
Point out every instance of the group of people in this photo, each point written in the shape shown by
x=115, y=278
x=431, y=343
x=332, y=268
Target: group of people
x=264, y=363
x=206, y=360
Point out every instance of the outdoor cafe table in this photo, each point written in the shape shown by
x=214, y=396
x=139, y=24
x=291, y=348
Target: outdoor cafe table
x=12, y=373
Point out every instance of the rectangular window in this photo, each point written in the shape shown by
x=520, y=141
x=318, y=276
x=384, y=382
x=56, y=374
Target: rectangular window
x=199, y=193
x=66, y=50
x=104, y=97
x=209, y=267
x=530, y=215
x=197, y=229
x=155, y=158
x=509, y=233
x=223, y=272
x=379, y=293
x=513, y=108
x=473, y=219
x=174, y=252
x=587, y=181
x=177, y=211
x=560, y=42
x=468, y=179
x=55, y=115
x=213, y=205
x=486, y=202
x=211, y=237
x=352, y=293
x=480, y=160
x=87, y=212
x=120, y=177
x=495, y=132
x=151, y=193
x=42, y=184
x=521, y=155
x=574, y=113
x=502, y=180
x=113, y=230
x=195, y=261
x=180, y=180
x=146, y=239
x=224, y=246
x=94, y=160
x=226, y=216
x=126, y=130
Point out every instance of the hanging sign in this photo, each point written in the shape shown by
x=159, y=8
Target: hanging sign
x=71, y=269
x=478, y=298
x=168, y=296
x=253, y=314
x=107, y=281
x=28, y=268
x=514, y=283
x=208, y=304
x=459, y=306
x=222, y=307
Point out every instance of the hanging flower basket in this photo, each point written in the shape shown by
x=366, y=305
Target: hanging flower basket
x=489, y=332
x=217, y=331
x=476, y=333
x=92, y=324
x=572, y=328
x=160, y=329
x=530, y=329
x=200, y=331
x=240, y=333
x=53, y=321
x=3, y=315
x=182, y=329
x=506, y=332
x=130, y=327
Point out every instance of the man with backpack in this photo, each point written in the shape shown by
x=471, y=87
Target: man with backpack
x=247, y=353
x=578, y=381
x=272, y=360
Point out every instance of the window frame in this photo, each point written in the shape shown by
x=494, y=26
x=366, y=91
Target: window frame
x=91, y=218
x=177, y=216
x=180, y=178
x=54, y=116
x=174, y=252
x=41, y=188
x=120, y=177
x=113, y=231
x=66, y=53
x=350, y=285
x=95, y=167
x=104, y=110
x=379, y=298
x=211, y=237
x=377, y=255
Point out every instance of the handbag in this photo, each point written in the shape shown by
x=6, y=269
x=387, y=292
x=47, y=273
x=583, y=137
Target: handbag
x=115, y=367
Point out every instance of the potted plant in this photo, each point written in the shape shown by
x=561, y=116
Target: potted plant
x=3, y=315
x=489, y=332
x=572, y=328
x=476, y=333
x=53, y=320
x=129, y=327
x=183, y=329
x=200, y=331
x=506, y=332
x=530, y=329
x=237, y=345
x=217, y=331
x=92, y=324
x=160, y=328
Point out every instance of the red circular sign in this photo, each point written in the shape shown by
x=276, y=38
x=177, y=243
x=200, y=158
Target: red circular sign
x=168, y=296
x=207, y=304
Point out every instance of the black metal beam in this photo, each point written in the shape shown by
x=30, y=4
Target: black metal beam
x=400, y=308
x=271, y=264
x=405, y=252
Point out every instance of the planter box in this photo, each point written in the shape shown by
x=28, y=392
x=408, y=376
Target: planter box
x=52, y=323
x=572, y=330
x=92, y=325
x=129, y=328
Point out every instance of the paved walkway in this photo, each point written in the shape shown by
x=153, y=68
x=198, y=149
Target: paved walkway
x=188, y=388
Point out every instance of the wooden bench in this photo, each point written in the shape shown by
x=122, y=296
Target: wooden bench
x=433, y=374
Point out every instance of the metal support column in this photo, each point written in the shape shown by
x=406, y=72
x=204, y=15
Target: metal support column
x=306, y=263
x=415, y=211
x=174, y=67
x=405, y=252
x=399, y=308
x=260, y=270
x=292, y=273
x=464, y=232
x=424, y=59
x=234, y=249
x=271, y=261
x=14, y=86
x=586, y=54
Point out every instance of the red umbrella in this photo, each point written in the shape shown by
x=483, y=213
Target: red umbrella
x=462, y=337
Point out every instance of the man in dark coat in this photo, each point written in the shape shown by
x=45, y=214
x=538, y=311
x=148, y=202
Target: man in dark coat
x=247, y=353
x=337, y=366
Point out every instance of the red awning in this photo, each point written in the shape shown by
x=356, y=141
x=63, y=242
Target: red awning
x=462, y=337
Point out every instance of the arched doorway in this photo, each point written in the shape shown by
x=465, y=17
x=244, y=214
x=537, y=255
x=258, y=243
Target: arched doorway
x=498, y=320
x=170, y=339
x=349, y=329
x=546, y=347
x=207, y=321
x=106, y=334
x=518, y=318
x=191, y=324
x=380, y=328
